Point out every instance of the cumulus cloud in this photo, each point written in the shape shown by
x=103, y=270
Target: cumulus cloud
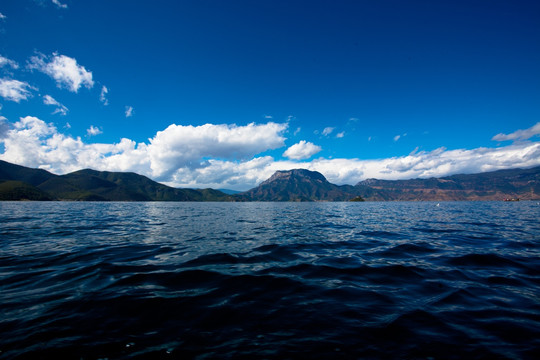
x=129, y=111
x=59, y=4
x=186, y=146
x=302, y=150
x=8, y=62
x=33, y=142
x=93, y=131
x=64, y=70
x=340, y=135
x=519, y=134
x=15, y=90
x=245, y=175
x=103, y=95
x=224, y=156
x=170, y=153
x=60, y=109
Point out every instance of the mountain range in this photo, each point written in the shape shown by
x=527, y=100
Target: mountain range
x=22, y=183
x=19, y=182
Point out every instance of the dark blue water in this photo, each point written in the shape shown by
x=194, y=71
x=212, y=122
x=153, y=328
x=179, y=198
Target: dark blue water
x=269, y=280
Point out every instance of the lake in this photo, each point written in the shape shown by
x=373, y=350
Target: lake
x=270, y=280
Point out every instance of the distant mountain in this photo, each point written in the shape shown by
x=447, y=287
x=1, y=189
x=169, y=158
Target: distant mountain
x=297, y=185
x=22, y=183
x=229, y=191
x=304, y=185
x=496, y=185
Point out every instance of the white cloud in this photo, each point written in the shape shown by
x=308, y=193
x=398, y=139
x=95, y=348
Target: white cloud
x=327, y=131
x=297, y=131
x=519, y=134
x=223, y=156
x=15, y=90
x=93, y=131
x=103, y=95
x=302, y=150
x=64, y=69
x=245, y=175
x=129, y=111
x=60, y=109
x=170, y=153
x=59, y=4
x=2, y=16
x=340, y=135
x=396, y=138
x=8, y=62
x=4, y=127
x=187, y=146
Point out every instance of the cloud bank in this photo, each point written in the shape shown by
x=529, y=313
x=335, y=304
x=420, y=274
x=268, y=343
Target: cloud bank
x=175, y=155
x=225, y=156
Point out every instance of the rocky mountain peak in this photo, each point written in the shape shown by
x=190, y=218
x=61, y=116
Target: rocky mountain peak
x=300, y=174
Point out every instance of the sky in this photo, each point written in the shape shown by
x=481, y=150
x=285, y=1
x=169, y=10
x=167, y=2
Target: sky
x=221, y=94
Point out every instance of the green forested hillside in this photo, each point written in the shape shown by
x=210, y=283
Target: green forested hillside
x=21, y=183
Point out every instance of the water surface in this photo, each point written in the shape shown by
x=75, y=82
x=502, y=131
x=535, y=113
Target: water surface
x=269, y=280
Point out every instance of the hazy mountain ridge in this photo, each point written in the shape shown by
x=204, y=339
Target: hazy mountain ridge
x=495, y=185
x=22, y=183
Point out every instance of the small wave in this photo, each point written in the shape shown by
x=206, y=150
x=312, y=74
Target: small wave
x=379, y=234
x=484, y=260
x=391, y=274
x=407, y=249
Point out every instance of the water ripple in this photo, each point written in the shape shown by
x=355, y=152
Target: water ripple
x=269, y=280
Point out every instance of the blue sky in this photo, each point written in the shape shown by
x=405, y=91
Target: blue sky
x=224, y=93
